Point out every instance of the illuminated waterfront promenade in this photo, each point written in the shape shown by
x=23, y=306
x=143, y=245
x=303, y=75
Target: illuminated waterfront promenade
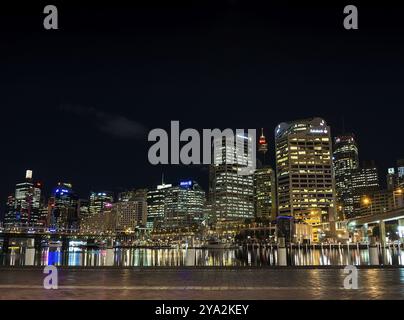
x=202, y=283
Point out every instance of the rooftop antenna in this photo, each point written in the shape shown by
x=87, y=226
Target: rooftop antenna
x=162, y=178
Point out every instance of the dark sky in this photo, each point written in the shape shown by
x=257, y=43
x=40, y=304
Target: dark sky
x=77, y=103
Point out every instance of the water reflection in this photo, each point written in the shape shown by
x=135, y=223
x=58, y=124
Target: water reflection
x=262, y=256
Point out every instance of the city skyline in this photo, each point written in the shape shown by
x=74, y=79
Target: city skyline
x=346, y=183
x=193, y=149
x=208, y=66
x=269, y=159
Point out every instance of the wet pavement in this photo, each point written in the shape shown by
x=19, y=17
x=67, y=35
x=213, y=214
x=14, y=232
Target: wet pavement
x=201, y=283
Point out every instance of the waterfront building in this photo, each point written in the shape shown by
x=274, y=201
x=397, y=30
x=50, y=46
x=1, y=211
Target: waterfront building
x=184, y=205
x=155, y=205
x=365, y=182
x=400, y=172
x=98, y=200
x=264, y=193
x=64, y=207
x=9, y=217
x=346, y=162
x=26, y=203
x=84, y=209
x=231, y=193
x=304, y=173
x=392, y=179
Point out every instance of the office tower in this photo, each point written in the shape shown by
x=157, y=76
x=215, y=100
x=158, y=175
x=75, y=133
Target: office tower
x=44, y=213
x=97, y=223
x=129, y=215
x=346, y=161
x=155, y=205
x=230, y=191
x=380, y=201
x=26, y=202
x=365, y=181
x=64, y=207
x=98, y=200
x=392, y=179
x=400, y=172
x=131, y=211
x=264, y=193
x=9, y=217
x=84, y=209
x=304, y=172
x=184, y=205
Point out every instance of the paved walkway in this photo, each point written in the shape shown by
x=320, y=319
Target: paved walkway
x=202, y=283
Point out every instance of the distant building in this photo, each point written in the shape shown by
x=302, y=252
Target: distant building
x=381, y=201
x=129, y=215
x=392, y=179
x=9, y=217
x=230, y=193
x=365, y=182
x=98, y=200
x=346, y=162
x=64, y=207
x=400, y=172
x=124, y=216
x=84, y=209
x=155, y=205
x=26, y=203
x=184, y=205
x=395, y=178
x=264, y=193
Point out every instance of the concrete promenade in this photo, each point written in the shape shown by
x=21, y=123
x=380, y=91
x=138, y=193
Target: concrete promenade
x=201, y=283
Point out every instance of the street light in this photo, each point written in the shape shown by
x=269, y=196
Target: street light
x=366, y=201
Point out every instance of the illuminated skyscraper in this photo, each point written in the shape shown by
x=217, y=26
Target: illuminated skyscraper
x=230, y=192
x=64, y=207
x=304, y=171
x=98, y=200
x=400, y=172
x=184, y=205
x=365, y=181
x=392, y=179
x=155, y=205
x=346, y=162
x=264, y=193
x=9, y=217
x=26, y=203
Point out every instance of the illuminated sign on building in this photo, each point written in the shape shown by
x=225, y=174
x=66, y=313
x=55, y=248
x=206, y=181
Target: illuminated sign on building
x=186, y=184
x=318, y=131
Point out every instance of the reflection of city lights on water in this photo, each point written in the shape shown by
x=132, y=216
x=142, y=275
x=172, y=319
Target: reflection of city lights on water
x=177, y=257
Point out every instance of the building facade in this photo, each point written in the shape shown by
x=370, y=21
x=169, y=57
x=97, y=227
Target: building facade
x=264, y=193
x=304, y=172
x=231, y=193
x=64, y=208
x=155, y=205
x=184, y=205
x=365, y=182
x=98, y=200
x=24, y=208
x=346, y=162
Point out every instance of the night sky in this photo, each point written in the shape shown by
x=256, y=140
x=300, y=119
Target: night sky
x=77, y=103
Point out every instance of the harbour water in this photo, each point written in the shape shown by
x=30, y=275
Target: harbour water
x=171, y=257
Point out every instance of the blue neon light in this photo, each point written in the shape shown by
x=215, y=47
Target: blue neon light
x=186, y=183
